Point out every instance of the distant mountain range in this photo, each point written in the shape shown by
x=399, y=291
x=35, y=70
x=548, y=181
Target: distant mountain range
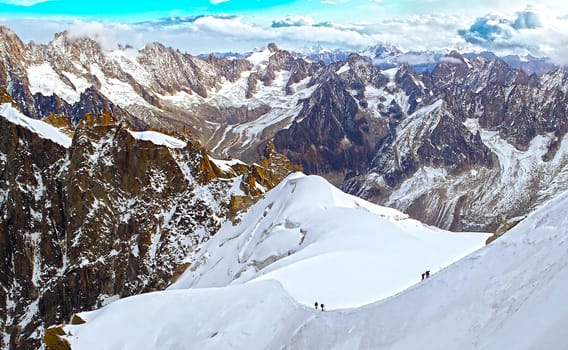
x=390, y=56
x=422, y=142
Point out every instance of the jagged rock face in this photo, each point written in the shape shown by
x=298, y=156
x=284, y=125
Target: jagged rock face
x=111, y=216
x=93, y=103
x=413, y=124
x=505, y=113
x=159, y=87
x=333, y=133
x=70, y=62
x=6, y=98
x=504, y=99
x=273, y=168
x=328, y=136
x=31, y=227
x=435, y=139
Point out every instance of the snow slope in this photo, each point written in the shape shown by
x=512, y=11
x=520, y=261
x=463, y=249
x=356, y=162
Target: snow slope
x=192, y=319
x=509, y=295
x=158, y=138
x=44, y=80
x=323, y=244
x=43, y=129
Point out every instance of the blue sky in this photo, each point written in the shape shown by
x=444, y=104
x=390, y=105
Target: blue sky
x=200, y=26
x=134, y=10
x=348, y=10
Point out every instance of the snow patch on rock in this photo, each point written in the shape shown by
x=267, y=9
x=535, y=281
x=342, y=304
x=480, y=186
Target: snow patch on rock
x=43, y=129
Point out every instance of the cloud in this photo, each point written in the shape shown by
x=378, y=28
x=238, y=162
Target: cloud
x=486, y=30
x=533, y=31
x=108, y=35
x=327, y=35
x=215, y=2
x=176, y=21
x=418, y=33
x=291, y=33
x=451, y=60
x=494, y=29
x=203, y=34
x=340, y=26
x=294, y=21
x=528, y=19
x=229, y=26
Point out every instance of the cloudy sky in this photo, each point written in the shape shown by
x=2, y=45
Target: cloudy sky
x=201, y=26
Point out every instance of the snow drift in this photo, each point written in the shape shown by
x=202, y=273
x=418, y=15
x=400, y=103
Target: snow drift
x=509, y=295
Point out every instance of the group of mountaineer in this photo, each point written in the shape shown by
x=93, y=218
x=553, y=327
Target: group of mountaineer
x=425, y=274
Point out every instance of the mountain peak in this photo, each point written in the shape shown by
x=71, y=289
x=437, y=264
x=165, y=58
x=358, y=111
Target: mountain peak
x=272, y=47
x=5, y=31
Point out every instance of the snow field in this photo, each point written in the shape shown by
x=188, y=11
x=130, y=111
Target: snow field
x=44, y=80
x=507, y=295
x=191, y=319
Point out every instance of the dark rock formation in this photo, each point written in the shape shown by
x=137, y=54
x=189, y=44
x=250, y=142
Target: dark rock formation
x=328, y=136
x=109, y=217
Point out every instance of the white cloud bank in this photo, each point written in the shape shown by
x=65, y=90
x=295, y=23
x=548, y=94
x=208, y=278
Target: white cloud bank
x=533, y=31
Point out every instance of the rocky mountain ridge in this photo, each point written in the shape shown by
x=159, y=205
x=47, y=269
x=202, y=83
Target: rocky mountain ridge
x=107, y=214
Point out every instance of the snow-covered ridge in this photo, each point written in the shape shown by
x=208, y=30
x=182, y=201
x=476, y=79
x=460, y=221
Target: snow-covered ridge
x=119, y=92
x=226, y=165
x=510, y=294
x=161, y=320
x=39, y=127
x=260, y=57
x=321, y=243
x=158, y=138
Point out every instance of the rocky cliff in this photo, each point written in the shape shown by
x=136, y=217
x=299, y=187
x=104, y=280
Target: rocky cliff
x=109, y=214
